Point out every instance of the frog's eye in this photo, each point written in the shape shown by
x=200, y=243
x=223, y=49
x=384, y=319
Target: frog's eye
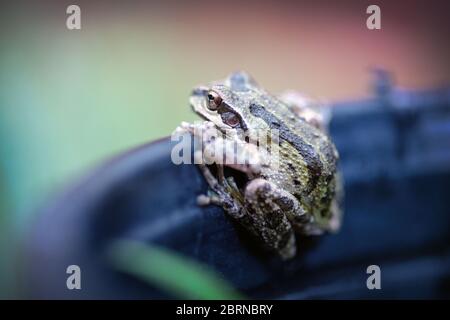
x=214, y=100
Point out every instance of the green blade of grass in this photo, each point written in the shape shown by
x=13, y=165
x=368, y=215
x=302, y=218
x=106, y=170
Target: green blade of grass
x=178, y=275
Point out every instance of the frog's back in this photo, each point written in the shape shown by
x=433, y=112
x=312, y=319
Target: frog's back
x=307, y=158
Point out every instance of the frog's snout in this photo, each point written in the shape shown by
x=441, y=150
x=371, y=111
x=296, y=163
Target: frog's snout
x=200, y=92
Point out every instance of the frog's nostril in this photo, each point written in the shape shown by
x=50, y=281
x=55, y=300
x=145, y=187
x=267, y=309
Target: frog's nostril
x=199, y=91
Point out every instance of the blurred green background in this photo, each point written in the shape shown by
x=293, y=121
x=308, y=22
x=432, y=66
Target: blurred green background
x=71, y=98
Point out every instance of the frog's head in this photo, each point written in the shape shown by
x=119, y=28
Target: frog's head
x=226, y=103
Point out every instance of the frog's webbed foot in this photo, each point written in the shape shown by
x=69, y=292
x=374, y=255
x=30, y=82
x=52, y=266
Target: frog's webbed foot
x=308, y=109
x=273, y=212
x=207, y=199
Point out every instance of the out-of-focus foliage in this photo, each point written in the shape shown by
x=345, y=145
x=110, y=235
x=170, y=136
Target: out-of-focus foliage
x=177, y=275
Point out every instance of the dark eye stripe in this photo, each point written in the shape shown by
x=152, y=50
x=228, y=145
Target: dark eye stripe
x=226, y=112
x=230, y=119
x=312, y=159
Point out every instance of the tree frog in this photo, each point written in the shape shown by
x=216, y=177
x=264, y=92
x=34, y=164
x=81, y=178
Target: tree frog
x=301, y=194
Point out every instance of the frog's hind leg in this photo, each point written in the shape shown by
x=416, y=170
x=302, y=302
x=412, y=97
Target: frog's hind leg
x=269, y=208
x=336, y=216
x=308, y=109
x=336, y=206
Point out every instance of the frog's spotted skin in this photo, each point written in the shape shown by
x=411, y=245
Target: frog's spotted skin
x=301, y=193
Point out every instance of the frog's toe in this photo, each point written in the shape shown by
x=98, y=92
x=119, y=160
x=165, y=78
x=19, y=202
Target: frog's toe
x=289, y=249
x=203, y=200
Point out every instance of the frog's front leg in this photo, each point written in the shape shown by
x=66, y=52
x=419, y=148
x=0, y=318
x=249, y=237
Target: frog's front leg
x=225, y=193
x=273, y=213
x=221, y=195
